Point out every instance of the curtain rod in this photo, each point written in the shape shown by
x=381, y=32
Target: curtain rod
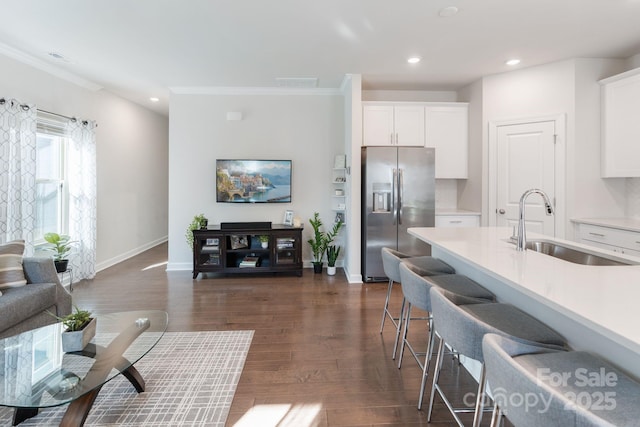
x=56, y=114
x=26, y=107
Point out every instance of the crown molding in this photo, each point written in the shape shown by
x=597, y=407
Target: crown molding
x=222, y=90
x=24, y=58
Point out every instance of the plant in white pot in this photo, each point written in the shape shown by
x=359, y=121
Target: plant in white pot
x=60, y=245
x=332, y=255
x=264, y=241
x=80, y=329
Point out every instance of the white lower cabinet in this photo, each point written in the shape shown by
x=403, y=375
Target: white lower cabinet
x=457, y=221
x=613, y=239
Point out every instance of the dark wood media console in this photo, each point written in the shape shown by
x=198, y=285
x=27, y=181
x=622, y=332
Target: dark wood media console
x=239, y=250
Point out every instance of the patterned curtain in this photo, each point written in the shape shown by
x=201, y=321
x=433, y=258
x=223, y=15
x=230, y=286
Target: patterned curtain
x=17, y=172
x=81, y=174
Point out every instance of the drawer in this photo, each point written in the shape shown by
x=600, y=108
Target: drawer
x=610, y=236
x=457, y=221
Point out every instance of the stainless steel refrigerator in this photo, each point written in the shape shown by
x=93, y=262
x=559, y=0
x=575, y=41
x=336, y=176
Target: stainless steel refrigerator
x=398, y=192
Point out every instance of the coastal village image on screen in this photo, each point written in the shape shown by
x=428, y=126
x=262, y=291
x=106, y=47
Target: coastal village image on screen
x=253, y=181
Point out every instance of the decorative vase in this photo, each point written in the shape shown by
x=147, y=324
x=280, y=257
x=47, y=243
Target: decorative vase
x=61, y=265
x=331, y=270
x=265, y=245
x=78, y=340
x=317, y=267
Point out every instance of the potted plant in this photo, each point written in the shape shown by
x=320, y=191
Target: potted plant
x=264, y=241
x=80, y=329
x=198, y=222
x=321, y=240
x=60, y=245
x=332, y=255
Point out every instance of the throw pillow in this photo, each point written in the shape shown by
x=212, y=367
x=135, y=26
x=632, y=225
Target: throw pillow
x=11, y=272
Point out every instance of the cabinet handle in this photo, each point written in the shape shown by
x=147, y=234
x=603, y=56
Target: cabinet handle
x=397, y=140
x=455, y=222
x=596, y=234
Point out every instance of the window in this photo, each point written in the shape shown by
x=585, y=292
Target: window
x=52, y=199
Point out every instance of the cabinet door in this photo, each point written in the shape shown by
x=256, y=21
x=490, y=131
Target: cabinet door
x=287, y=249
x=409, y=125
x=620, y=126
x=377, y=125
x=446, y=129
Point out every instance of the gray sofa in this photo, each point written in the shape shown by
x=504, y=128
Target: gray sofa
x=25, y=307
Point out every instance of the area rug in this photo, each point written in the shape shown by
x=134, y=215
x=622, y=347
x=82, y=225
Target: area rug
x=190, y=377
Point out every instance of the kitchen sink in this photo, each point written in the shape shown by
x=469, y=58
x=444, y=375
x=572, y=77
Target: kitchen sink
x=574, y=255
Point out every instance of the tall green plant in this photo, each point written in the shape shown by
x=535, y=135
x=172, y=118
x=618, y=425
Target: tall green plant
x=321, y=239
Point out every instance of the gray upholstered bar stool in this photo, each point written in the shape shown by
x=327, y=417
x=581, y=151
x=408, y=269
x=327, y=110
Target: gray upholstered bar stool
x=462, y=326
x=415, y=289
x=535, y=386
x=391, y=260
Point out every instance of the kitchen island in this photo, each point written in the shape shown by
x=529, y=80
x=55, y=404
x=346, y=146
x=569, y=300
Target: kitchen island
x=596, y=308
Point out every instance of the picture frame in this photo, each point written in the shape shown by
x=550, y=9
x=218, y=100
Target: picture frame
x=239, y=241
x=288, y=218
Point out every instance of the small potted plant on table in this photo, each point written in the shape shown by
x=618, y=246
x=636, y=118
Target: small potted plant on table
x=198, y=222
x=80, y=329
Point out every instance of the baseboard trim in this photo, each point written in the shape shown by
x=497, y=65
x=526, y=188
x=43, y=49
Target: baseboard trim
x=130, y=254
x=180, y=266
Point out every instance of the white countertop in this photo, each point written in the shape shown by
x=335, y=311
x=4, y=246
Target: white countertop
x=605, y=299
x=628, y=224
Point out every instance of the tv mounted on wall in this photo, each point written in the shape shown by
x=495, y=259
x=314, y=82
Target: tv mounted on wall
x=253, y=181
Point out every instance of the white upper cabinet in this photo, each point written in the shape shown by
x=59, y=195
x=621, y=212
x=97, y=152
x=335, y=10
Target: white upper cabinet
x=620, y=145
x=447, y=130
x=387, y=124
x=442, y=125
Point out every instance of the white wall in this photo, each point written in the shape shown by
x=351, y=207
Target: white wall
x=589, y=194
x=132, y=144
x=470, y=189
x=308, y=129
x=352, y=144
x=566, y=88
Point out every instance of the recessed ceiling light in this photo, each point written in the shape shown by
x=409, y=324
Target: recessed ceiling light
x=154, y=99
x=413, y=60
x=448, y=11
x=513, y=62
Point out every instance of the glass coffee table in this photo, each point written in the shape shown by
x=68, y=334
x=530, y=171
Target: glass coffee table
x=35, y=373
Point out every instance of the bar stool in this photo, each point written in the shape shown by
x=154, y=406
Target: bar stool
x=415, y=289
x=390, y=263
x=462, y=326
x=522, y=370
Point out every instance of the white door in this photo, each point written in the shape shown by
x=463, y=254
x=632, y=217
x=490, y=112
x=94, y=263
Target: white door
x=525, y=159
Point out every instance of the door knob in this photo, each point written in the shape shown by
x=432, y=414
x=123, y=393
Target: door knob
x=501, y=211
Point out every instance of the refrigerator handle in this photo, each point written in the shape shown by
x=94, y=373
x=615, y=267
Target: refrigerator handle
x=400, y=194
x=394, y=184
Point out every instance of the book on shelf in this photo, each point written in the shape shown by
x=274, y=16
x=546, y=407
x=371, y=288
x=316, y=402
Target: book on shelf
x=249, y=261
x=210, y=249
x=285, y=243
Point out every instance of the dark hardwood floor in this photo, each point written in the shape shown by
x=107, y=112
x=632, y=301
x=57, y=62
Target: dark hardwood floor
x=317, y=357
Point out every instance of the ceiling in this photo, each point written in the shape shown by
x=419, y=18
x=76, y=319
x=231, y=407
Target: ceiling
x=140, y=48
